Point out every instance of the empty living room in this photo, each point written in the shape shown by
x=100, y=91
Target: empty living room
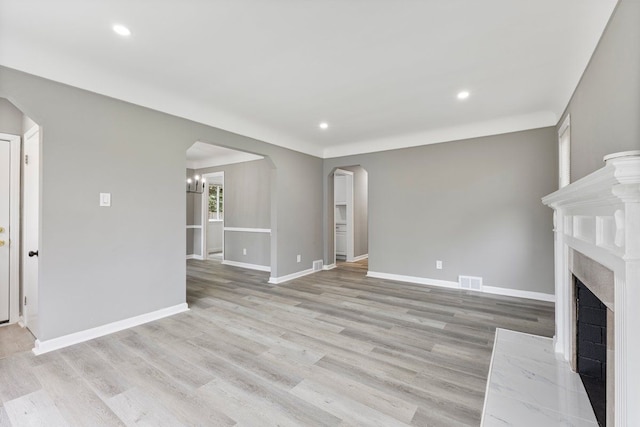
x=319, y=213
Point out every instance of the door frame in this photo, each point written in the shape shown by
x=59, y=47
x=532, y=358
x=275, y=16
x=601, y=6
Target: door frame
x=205, y=214
x=349, y=211
x=34, y=324
x=15, y=147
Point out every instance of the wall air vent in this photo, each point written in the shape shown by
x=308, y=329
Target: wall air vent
x=317, y=265
x=470, y=282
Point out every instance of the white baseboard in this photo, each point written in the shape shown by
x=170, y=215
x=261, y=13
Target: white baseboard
x=247, y=265
x=89, y=334
x=414, y=279
x=282, y=279
x=359, y=258
x=192, y=256
x=539, y=296
x=329, y=267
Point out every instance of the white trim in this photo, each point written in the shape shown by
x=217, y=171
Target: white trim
x=540, y=296
x=565, y=124
x=630, y=153
x=247, y=265
x=28, y=134
x=359, y=258
x=193, y=256
x=194, y=226
x=486, y=390
x=564, y=152
x=248, y=229
x=89, y=334
x=455, y=285
x=414, y=279
x=281, y=279
x=14, y=225
x=329, y=266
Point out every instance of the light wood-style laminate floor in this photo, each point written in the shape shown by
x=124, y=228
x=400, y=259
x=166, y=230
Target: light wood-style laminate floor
x=333, y=348
x=14, y=339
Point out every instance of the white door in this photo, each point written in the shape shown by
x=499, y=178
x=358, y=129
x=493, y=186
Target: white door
x=31, y=206
x=5, y=168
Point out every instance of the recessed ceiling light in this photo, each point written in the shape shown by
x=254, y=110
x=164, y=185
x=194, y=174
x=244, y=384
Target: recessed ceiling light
x=122, y=30
x=463, y=95
x=324, y=125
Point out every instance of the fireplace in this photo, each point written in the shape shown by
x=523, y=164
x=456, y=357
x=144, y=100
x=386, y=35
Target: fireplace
x=597, y=245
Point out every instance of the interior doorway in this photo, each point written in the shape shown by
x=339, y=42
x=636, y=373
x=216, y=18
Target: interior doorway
x=233, y=212
x=213, y=214
x=30, y=226
x=9, y=227
x=343, y=215
x=350, y=214
x=20, y=146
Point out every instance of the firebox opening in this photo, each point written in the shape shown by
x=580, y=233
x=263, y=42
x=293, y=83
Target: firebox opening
x=591, y=346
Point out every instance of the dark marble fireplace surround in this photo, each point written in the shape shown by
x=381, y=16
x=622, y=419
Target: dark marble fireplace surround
x=593, y=296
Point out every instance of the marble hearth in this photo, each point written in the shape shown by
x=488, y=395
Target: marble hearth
x=597, y=239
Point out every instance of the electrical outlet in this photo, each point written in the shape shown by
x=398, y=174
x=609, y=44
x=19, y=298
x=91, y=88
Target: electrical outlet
x=439, y=265
x=299, y=258
x=244, y=251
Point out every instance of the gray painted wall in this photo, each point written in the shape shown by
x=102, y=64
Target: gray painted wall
x=27, y=124
x=258, y=246
x=100, y=265
x=247, y=204
x=605, y=108
x=474, y=204
x=247, y=193
x=214, y=236
x=193, y=212
x=10, y=118
x=298, y=184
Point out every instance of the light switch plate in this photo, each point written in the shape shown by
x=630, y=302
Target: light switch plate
x=105, y=199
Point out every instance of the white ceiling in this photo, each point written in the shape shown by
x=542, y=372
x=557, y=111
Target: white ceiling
x=202, y=155
x=382, y=73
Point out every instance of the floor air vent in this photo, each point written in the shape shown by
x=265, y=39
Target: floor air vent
x=470, y=282
x=317, y=265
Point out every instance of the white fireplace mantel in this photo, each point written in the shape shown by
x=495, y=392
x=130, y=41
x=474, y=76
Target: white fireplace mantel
x=599, y=216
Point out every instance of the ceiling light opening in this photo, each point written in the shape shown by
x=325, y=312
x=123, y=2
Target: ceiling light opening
x=121, y=30
x=463, y=95
x=324, y=125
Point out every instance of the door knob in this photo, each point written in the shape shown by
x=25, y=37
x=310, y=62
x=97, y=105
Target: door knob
x=32, y=253
x=1, y=229
x=1, y=242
